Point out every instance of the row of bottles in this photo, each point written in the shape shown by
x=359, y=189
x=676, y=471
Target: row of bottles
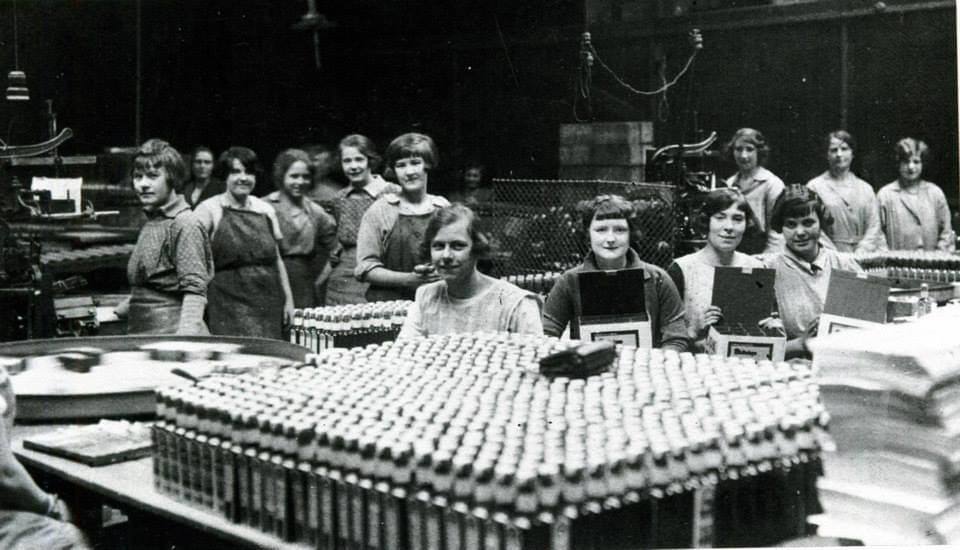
x=348, y=326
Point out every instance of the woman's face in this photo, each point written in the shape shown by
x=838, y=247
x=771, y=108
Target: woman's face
x=840, y=155
x=910, y=169
x=802, y=235
x=202, y=165
x=297, y=179
x=356, y=166
x=726, y=229
x=745, y=153
x=609, y=240
x=153, y=187
x=451, y=251
x=240, y=182
x=411, y=174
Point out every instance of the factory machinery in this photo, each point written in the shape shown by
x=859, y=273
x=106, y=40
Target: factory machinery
x=461, y=441
x=51, y=242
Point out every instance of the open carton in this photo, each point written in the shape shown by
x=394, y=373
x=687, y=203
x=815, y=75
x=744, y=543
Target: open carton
x=745, y=296
x=613, y=308
x=854, y=301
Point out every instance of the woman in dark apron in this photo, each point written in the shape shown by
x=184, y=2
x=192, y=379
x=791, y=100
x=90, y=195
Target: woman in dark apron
x=392, y=228
x=171, y=264
x=309, y=233
x=250, y=294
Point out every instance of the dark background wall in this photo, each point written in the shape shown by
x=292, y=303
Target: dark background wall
x=488, y=79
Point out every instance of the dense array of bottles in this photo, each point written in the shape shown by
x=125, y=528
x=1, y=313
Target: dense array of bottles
x=348, y=326
x=934, y=266
x=541, y=283
x=457, y=442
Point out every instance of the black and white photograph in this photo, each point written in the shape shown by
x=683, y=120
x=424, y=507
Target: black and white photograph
x=306, y=274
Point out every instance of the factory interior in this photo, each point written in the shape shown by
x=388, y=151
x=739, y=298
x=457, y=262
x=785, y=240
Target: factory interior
x=528, y=275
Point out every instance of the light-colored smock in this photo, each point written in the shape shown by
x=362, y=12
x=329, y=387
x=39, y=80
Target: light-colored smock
x=856, y=215
x=502, y=307
x=762, y=194
x=916, y=218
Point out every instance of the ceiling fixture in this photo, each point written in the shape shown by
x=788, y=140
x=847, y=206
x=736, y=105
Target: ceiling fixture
x=17, y=80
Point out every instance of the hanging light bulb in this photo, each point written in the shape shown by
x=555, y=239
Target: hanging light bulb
x=17, y=86
x=17, y=80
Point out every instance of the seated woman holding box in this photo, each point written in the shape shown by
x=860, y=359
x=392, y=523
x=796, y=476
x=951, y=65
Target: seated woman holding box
x=609, y=220
x=726, y=216
x=804, y=267
x=465, y=300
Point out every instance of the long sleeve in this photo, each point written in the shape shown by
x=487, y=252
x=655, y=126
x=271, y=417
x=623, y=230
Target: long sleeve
x=413, y=323
x=527, y=319
x=946, y=241
x=558, y=310
x=873, y=238
x=673, y=326
x=327, y=244
x=194, y=258
x=369, y=247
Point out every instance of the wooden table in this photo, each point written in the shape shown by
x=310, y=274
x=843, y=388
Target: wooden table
x=129, y=487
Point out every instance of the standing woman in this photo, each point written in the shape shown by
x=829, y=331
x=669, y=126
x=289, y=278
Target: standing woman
x=760, y=186
x=850, y=201
x=201, y=185
x=309, y=233
x=913, y=212
x=608, y=220
x=388, y=242
x=727, y=216
x=358, y=158
x=171, y=263
x=250, y=294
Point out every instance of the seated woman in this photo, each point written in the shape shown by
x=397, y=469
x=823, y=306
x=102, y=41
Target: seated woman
x=913, y=212
x=249, y=294
x=850, y=201
x=804, y=266
x=609, y=220
x=760, y=186
x=726, y=216
x=391, y=230
x=465, y=300
x=309, y=233
x=171, y=263
x=29, y=517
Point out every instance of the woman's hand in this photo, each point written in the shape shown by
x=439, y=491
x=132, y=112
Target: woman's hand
x=123, y=308
x=421, y=275
x=711, y=316
x=287, y=312
x=771, y=323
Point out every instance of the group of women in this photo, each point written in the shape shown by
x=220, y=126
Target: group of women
x=906, y=214
x=239, y=265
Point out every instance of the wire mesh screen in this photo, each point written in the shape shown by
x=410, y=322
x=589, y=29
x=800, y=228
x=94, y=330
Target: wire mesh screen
x=534, y=226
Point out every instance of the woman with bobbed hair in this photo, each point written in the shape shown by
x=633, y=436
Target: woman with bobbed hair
x=850, y=200
x=250, y=294
x=804, y=267
x=392, y=229
x=171, y=264
x=914, y=212
x=726, y=217
x=465, y=300
x=749, y=150
x=309, y=233
x=609, y=221
x=358, y=159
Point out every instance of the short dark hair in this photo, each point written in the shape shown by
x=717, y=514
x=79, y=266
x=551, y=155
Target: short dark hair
x=796, y=202
x=607, y=207
x=843, y=136
x=719, y=200
x=409, y=145
x=201, y=149
x=480, y=244
x=285, y=160
x=247, y=158
x=908, y=147
x=755, y=138
x=156, y=153
x=366, y=147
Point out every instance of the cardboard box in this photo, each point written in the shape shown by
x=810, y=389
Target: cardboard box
x=745, y=296
x=613, y=308
x=854, y=301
